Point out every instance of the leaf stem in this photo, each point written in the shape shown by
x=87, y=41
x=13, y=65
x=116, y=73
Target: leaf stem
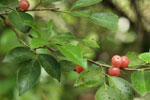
x=46, y=9
x=19, y=39
x=98, y=64
x=128, y=69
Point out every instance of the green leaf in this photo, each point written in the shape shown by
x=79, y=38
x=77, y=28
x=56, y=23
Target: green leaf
x=7, y=2
x=51, y=66
x=141, y=81
x=4, y=4
x=36, y=43
x=81, y=13
x=135, y=61
x=107, y=20
x=87, y=51
x=17, y=20
x=122, y=87
x=31, y=24
x=90, y=43
x=74, y=54
x=28, y=75
x=145, y=57
x=19, y=54
x=90, y=78
x=106, y=93
x=66, y=66
x=84, y=3
x=63, y=38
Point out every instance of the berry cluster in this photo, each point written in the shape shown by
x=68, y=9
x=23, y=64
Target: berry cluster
x=24, y=5
x=117, y=62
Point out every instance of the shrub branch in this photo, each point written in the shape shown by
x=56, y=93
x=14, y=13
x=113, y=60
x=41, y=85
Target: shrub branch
x=105, y=65
x=19, y=39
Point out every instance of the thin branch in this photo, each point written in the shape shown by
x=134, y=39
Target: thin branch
x=61, y=11
x=98, y=64
x=18, y=37
x=133, y=69
x=50, y=49
x=47, y=9
x=129, y=69
x=6, y=13
x=30, y=35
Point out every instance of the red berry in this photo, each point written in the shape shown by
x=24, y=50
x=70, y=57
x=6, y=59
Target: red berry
x=7, y=21
x=114, y=71
x=116, y=61
x=79, y=69
x=24, y=5
x=125, y=62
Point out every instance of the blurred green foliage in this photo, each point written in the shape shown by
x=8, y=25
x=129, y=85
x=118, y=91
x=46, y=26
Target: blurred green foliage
x=111, y=42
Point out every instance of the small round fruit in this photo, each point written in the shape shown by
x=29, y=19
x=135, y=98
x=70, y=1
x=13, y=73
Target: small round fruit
x=116, y=61
x=114, y=71
x=24, y=5
x=125, y=62
x=79, y=69
x=7, y=21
